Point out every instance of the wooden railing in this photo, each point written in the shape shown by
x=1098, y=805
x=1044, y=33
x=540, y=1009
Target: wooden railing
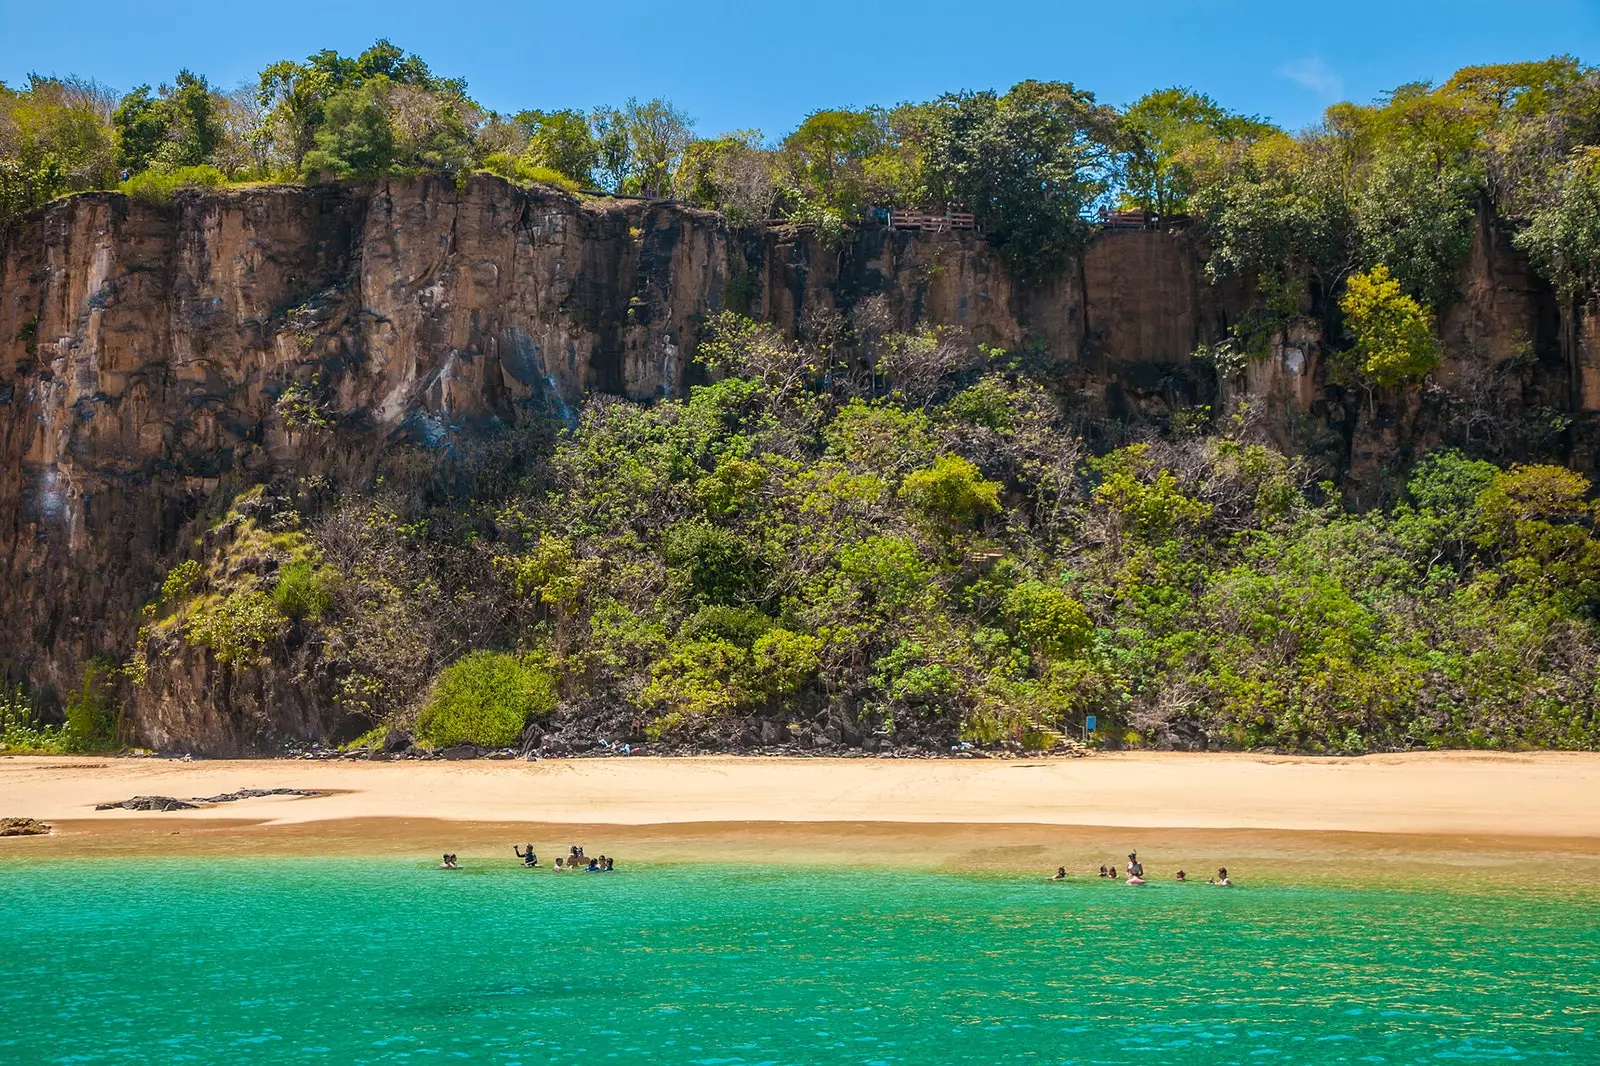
x=930, y=223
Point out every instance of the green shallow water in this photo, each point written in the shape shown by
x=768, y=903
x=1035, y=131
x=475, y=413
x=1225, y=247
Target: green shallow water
x=291, y=961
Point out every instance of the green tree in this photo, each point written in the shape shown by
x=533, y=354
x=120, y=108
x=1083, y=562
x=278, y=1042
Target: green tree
x=355, y=139
x=1563, y=235
x=1393, y=334
x=141, y=129
x=825, y=157
x=55, y=138
x=193, y=128
x=561, y=141
x=1161, y=127
x=1029, y=163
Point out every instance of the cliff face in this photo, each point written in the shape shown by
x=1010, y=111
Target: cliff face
x=144, y=351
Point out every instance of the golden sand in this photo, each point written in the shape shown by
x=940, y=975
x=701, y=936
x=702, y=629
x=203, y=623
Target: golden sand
x=1523, y=816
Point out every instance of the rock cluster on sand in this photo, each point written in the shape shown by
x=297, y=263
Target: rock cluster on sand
x=169, y=803
x=23, y=827
x=147, y=803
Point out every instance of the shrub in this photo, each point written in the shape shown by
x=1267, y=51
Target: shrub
x=486, y=698
x=20, y=730
x=92, y=713
x=236, y=627
x=951, y=492
x=180, y=581
x=303, y=591
x=158, y=186
x=520, y=171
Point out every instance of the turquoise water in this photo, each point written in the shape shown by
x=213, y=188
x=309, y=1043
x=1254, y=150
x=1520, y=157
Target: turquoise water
x=290, y=961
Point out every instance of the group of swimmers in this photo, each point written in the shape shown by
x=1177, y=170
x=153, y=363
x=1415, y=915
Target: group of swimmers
x=1136, y=874
x=575, y=859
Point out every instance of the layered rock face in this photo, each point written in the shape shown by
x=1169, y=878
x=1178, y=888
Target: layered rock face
x=144, y=351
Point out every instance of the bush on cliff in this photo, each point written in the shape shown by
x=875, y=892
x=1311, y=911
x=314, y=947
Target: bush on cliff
x=93, y=717
x=486, y=698
x=304, y=591
x=159, y=186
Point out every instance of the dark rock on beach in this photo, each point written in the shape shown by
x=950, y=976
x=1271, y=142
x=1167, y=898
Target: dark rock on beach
x=147, y=803
x=169, y=803
x=23, y=827
x=253, y=793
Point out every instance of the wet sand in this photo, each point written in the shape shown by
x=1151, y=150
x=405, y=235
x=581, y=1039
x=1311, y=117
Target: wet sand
x=1523, y=817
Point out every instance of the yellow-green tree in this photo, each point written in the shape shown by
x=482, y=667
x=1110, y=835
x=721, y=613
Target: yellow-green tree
x=1393, y=333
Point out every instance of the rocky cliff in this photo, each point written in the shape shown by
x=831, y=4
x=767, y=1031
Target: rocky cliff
x=146, y=352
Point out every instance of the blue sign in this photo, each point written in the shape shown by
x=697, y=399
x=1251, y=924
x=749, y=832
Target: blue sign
x=1088, y=724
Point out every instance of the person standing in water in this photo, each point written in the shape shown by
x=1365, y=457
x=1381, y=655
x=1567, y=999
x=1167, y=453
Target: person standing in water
x=1135, y=867
x=1221, y=880
x=529, y=859
x=1061, y=874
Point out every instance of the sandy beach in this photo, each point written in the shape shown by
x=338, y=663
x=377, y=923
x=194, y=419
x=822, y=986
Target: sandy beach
x=1484, y=811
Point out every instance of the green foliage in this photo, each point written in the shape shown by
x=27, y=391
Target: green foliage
x=54, y=139
x=1161, y=127
x=715, y=564
x=21, y=732
x=640, y=145
x=951, y=492
x=1563, y=236
x=742, y=554
x=486, y=698
x=520, y=170
x=157, y=187
x=732, y=174
x=236, y=627
x=180, y=581
x=355, y=138
x=140, y=122
x=560, y=142
x=94, y=718
x=1394, y=341
x=304, y=591
x=1048, y=620
x=1142, y=498
x=1028, y=163
x=299, y=409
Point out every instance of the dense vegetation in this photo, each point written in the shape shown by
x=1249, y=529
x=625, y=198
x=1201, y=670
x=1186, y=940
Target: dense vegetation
x=905, y=538
x=806, y=549
x=1394, y=183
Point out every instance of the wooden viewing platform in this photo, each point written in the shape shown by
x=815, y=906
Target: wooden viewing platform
x=931, y=223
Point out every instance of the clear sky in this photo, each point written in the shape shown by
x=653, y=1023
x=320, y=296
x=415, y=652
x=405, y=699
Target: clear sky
x=764, y=65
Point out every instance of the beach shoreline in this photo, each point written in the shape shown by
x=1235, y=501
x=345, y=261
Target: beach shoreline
x=1504, y=816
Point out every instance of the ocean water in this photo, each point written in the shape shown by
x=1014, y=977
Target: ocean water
x=297, y=961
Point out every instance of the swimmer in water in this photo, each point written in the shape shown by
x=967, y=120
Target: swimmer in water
x=1102, y=869
x=560, y=865
x=529, y=859
x=449, y=862
x=1221, y=880
x=1061, y=874
x=1182, y=876
x=1135, y=867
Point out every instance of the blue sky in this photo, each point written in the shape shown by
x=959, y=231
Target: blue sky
x=765, y=65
